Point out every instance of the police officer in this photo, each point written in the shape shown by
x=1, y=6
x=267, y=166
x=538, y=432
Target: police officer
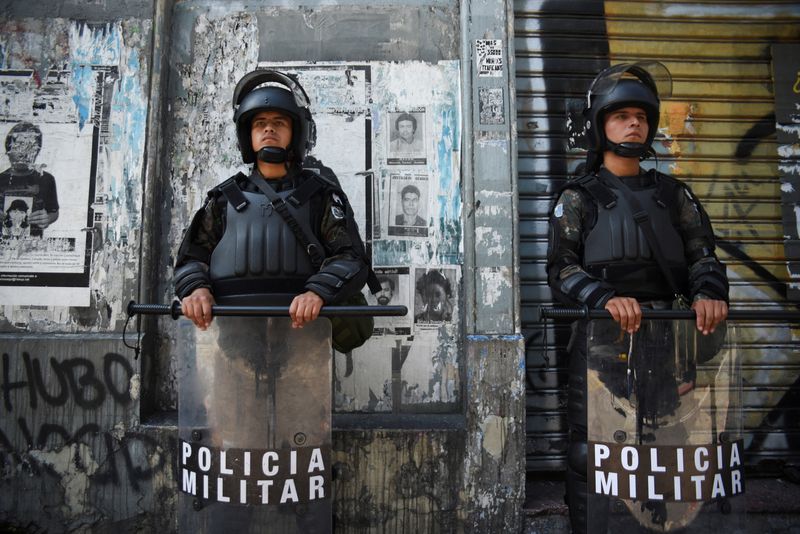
x=311, y=258
x=593, y=261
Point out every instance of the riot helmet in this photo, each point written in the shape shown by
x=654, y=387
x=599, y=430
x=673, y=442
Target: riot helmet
x=638, y=85
x=270, y=90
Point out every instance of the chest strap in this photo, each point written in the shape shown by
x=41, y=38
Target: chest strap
x=602, y=194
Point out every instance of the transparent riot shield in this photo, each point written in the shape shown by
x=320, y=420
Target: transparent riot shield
x=254, y=427
x=665, y=450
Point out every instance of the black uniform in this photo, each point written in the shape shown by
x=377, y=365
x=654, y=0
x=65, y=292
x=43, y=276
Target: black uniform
x=596, y=251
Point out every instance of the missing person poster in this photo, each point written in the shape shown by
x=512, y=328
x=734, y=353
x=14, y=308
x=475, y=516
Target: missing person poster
x=47, y=176
x=408, y=205
x=406, y=138
x=396, y=290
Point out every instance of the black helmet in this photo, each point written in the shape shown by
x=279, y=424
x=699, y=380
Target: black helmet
x=610, y=91
x=250, y=97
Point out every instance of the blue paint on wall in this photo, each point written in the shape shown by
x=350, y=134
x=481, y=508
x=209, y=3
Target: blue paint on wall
x=83, y=86
x=92, y=46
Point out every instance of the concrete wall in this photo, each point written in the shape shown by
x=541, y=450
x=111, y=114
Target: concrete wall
x=74, y=455
x=136, y=105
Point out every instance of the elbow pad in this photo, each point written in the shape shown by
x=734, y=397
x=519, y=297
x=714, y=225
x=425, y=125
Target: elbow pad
x=189, y=277
x=586, y=290
x=709, y=278
x=338, y=279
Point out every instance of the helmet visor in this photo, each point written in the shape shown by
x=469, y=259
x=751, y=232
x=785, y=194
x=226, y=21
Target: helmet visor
x=652, y=73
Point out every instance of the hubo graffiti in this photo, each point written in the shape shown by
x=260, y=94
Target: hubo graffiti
x=67, y=451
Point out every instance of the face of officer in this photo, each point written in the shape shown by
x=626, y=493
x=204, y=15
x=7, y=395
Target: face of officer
x=410, y=204
x=384, y=296
x=406, y=130
x=270, y=128
x=626, y=125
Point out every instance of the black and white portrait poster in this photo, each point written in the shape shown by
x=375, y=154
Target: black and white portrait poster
x=395, y=291
x=47, y=175
x=408, y=205
x=406, y=138
x=435, y=296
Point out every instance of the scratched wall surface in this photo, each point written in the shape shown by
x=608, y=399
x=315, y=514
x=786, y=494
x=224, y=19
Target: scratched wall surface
x=72, y=451
x=84, y=85
x=717, y=133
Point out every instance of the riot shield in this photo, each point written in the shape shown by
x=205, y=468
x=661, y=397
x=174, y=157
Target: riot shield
x=664, y=429
x=254, y=427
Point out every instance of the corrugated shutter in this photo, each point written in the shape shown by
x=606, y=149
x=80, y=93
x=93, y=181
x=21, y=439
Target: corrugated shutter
x=720, y=126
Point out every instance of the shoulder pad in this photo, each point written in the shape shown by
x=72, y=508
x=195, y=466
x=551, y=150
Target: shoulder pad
x=236, y=179
x=317, y=167
x=313, y=184
x=232, y=193
x=327, y=179
x=591, y=185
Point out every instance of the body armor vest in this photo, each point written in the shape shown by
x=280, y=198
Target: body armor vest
x=258, y=261
x=616, y=249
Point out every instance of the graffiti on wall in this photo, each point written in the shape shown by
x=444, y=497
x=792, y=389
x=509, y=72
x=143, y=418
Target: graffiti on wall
x=72, y=123
x=68, y=428
x=786, y=76
x=729, y=161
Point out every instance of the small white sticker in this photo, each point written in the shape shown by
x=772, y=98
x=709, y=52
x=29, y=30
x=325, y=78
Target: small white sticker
x=559, y=211
x=489, y=57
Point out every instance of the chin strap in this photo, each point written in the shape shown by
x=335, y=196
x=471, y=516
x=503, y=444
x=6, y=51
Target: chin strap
x=273, y=154
x=630, y=150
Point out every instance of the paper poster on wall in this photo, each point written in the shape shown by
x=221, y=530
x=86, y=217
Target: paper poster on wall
x=489, y=57
x=435, y=295
x=408, y=205
x=363, y=113
x=491, y=106
x=47, y=185
x=396, y=290
x=406, y=138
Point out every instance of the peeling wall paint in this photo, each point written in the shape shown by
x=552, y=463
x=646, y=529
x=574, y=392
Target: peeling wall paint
x=73, y=452
x=93, y=465
x=84, y=56
x=495, y=438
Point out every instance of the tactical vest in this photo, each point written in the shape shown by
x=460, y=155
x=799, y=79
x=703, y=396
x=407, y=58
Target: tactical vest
x=616, y=249
x=258, y=260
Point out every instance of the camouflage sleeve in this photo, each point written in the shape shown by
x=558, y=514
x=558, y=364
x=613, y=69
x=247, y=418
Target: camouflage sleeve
x=707, y=275
x=344, y=271
x=569, y=282
x=333, y=228
x=203, y=234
